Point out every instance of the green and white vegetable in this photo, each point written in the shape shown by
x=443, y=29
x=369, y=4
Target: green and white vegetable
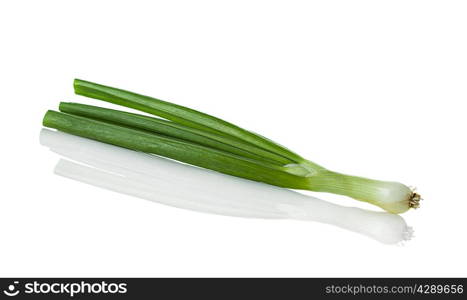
x=199, y=139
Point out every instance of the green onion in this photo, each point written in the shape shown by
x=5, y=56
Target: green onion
x=206, y=141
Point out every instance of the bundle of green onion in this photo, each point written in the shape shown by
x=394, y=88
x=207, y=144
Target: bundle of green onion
x=202, y=140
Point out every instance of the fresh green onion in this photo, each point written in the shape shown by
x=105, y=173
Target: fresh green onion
x=206, y=141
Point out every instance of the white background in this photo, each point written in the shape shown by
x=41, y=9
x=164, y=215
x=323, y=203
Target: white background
x=372, y=88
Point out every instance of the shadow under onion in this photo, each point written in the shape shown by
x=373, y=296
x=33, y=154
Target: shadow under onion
x=172, y=183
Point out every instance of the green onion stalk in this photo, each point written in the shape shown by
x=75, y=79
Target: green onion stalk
x=196, y=138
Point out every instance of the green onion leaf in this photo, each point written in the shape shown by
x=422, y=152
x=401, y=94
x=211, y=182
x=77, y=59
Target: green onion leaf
x=172, y=129
x=180, y=114
x=174, y=148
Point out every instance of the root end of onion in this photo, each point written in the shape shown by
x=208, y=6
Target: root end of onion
x=414, y=201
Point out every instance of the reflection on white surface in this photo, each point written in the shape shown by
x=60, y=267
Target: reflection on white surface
x=168, y=182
